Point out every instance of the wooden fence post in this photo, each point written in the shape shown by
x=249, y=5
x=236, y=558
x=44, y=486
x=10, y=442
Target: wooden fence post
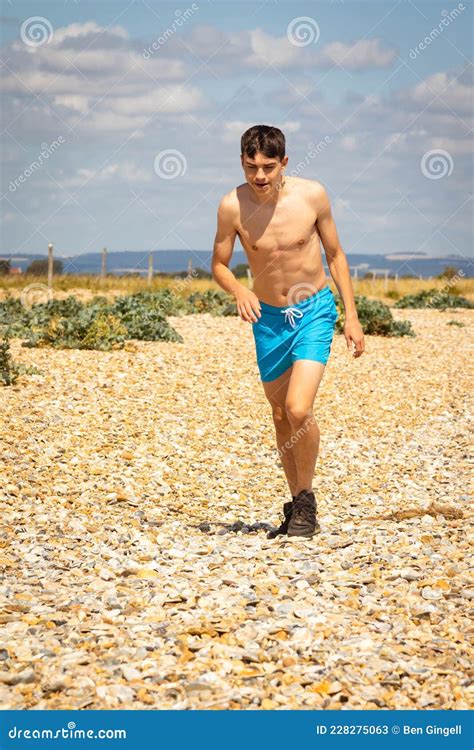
x=50, y=266
x=150, y=269
x=103, y=270
x=249, y=278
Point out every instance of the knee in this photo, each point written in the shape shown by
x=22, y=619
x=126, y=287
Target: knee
x=297, y=414
x=280, y=416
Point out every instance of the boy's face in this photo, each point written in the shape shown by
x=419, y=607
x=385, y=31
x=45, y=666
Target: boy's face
x=263, y=173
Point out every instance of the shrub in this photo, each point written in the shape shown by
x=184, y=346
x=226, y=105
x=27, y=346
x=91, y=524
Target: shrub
x=9, y=370
x=435, y=298
x=39, y=267
x=376, y=319
x=97, y=324
x=211, y=301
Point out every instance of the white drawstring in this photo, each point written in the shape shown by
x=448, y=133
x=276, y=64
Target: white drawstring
x=290, y=312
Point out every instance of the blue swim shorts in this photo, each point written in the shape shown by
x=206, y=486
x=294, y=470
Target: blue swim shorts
x=304, y=330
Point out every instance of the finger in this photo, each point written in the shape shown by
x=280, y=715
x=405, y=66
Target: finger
x=359, y=348
x=257, y=308
x=246, y=313
x=250, y=312
x=241, y=312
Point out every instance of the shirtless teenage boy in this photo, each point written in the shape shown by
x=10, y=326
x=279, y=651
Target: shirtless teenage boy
x=280, y=221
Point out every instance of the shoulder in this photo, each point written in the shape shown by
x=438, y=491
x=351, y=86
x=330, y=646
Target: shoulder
x=315, y=194
x=229, y=204
x=312, y=190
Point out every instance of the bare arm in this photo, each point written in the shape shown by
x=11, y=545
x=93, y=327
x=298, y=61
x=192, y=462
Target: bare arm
x=224, y=247
x=340, y=272
x=248, y=305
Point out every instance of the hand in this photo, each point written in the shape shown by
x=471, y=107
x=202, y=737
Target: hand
x=354, y=336
x=248, y=304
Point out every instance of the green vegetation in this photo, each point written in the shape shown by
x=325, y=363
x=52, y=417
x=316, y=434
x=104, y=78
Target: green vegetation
x=103, y=323
x=98, y=324
x=439, y=299
x=375, y=318
x=39, y=267
x=217, y=303
x=10, y=370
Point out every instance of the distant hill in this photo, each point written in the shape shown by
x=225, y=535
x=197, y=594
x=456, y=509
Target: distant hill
x=173, y=261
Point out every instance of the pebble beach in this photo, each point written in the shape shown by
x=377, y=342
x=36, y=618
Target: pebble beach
x=136, y=490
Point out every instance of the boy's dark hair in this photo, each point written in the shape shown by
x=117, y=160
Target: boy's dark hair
x=269, y=140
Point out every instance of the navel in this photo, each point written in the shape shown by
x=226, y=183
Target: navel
x=300, y=242
x=254, y=247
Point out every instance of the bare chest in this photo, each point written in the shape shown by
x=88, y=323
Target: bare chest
x=283, y=228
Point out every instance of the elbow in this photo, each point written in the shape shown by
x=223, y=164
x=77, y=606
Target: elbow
x=214, y=272
x=335, y=254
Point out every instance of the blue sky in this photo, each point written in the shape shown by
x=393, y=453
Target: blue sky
x=89, y=116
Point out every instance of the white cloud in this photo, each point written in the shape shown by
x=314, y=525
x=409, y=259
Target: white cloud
x=454, y=146
x=265, y=49
x=362, y=55
x=125, y=170
x=451, y=91
x=171, y=99
x=75, y=30
x=76, y=103
x=254, y=49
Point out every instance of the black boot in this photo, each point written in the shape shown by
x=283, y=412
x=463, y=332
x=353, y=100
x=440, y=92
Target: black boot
x=303, y=518
x=283, y=528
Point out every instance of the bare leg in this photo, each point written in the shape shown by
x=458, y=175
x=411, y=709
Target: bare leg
x=276, y=393
x=304, y=382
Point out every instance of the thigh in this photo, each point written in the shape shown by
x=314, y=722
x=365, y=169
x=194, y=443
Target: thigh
x=303, y=385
